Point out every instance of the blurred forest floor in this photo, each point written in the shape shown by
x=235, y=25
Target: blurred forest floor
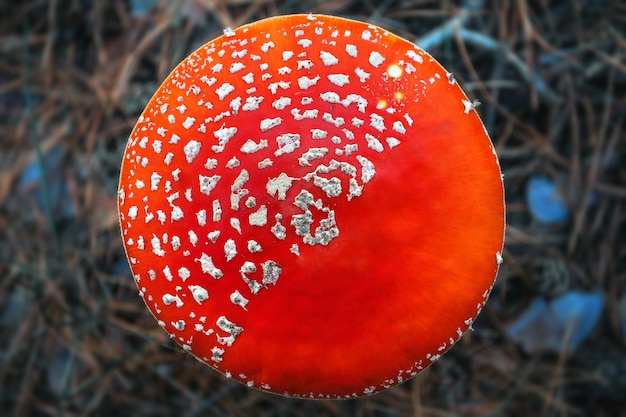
x=76, y=339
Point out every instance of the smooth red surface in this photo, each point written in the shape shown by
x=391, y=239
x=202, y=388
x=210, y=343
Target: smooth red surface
x=416, y=254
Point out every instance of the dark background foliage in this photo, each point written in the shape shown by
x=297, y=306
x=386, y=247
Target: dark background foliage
x=75, y=338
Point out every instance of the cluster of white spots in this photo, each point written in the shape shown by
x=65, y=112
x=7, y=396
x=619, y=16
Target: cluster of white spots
x=334, y=132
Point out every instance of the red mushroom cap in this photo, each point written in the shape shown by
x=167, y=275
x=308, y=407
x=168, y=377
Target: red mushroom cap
x=312, y=206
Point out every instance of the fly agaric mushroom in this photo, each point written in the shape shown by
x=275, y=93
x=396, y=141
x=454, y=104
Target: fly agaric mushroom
x=312, y=206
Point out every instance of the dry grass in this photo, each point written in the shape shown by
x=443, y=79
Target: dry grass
x=75, y=339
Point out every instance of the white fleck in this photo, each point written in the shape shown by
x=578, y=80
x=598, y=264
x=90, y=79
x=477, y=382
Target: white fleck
x=254, y=246
x=319, y=133
x=414, y=56
x=305, y=63
x=305, y=43
x=278, y=187
x=305, y=82
x=281, y=103
x=238, y=299
x=184, y=273
x=228, y=32
x=238, y=192
x=259, y=217
x=284, y=70
x=208, y=81
x=217, y=211
x=251, y=147
x=352, y=50
x=228, y=326
x=362, y=74
x=307, y=114
x=267, y=45
x=251, y=202
x=230, y=249
x=223, y=135
x=373, y=143
x=266, y=163
x=271, y=272
x=214, y=235
x=193, y=237
x=252, y=103
x=157, y=146
x=311, y=154
x=295, y=249
x=278, y=229
x=267, y=124
x=200, y=294
x=242, y=53
x=248, y=78
x=392, y=142
x=188, y=123
x=377, y=122
x=361, y=102
x=376, y=59
x=192, y=149
x=170, y=299
x=236, y=67
x=328, y=59
x=366, y=35
x=168, y=273
x=367, y=169
x=355, y=190
x=287, y=143
x=470, y=105
x=208, y=267
x=155, y=179
x=399, y=127
x=499, y=258
x=156, y=246
x=216, y=354
x=211, y=163
x=332, y=186
x=235, y=224
x=338, y=121
x=339, y=79
x=287, y=55
x=175, y=243
x=232, y=162
x=235, y=104
x=356, y=122
x=408, y=119
x=207, y=184
x=224, y=90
